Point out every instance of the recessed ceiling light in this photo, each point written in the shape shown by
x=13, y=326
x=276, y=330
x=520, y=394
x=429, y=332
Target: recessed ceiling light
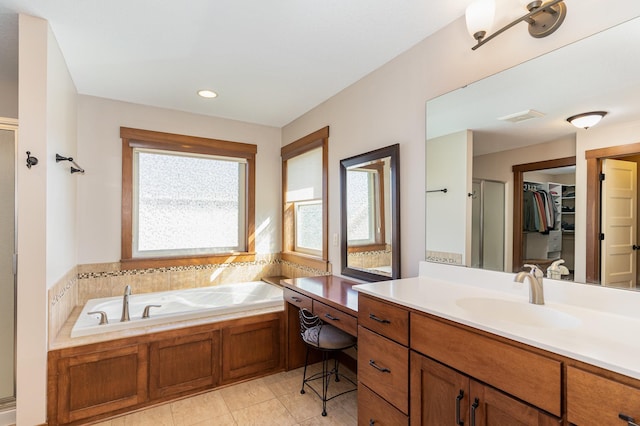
x=207, y=93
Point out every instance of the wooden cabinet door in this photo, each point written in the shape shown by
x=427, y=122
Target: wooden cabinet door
x=490, y=407
x=183, y=364
x=251, y=349
x=439, y=394
x=100, y=382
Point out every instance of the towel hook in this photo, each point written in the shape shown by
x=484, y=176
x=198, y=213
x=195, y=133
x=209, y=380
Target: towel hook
x=76, y=169
x=31, y=161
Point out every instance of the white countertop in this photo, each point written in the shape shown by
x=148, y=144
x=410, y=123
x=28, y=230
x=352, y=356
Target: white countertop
x=602, y=329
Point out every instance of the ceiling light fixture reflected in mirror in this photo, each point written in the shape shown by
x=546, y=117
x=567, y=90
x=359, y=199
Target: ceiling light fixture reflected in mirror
x=587, y=119
x=209, y=94
x=543, y=19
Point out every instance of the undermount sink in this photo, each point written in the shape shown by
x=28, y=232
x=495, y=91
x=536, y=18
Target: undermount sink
x=521, y=313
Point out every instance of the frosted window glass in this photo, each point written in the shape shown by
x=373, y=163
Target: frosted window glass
x=360, y=207
x=187, y=204
x=304, y=176
x=309, y=227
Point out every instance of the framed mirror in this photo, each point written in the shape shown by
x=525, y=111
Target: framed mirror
x=512, y=127
x=370, y=215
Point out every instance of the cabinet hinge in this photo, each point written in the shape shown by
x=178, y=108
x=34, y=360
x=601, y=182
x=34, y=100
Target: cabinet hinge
x=601, y=177
x=601, y=237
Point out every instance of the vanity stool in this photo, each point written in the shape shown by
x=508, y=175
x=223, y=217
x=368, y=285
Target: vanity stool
x=328, y=339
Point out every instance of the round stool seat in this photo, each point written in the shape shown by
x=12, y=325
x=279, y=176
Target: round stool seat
x=326, y=336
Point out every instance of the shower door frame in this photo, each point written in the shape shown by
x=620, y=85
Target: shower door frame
x=11, y=124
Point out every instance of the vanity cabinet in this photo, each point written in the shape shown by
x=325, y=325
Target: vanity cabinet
x=441, y=395
x=383, y=363
x=593, y=399
x=528, y=376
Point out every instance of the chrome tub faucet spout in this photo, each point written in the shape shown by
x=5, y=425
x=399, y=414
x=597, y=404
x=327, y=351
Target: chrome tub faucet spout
x=536, y=290
x=125, y=304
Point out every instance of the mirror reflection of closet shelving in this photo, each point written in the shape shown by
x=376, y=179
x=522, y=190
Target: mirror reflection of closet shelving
x=542, y=222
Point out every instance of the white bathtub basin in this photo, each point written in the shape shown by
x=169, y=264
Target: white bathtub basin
x=177, y=305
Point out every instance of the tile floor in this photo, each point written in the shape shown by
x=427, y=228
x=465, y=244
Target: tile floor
x=272, y=400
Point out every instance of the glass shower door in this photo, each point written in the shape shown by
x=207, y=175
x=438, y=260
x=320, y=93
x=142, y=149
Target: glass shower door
x=7, y=271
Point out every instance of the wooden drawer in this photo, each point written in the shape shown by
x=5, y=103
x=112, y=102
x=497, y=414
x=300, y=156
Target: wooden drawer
x=523, y=374
x=343, y=321
x=383, y=366
x=595, y=400
x=297, y=299
x=384, y=318
x=373, y=410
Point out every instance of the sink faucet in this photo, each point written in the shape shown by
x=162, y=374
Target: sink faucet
x=536, y=290
x=125, y=304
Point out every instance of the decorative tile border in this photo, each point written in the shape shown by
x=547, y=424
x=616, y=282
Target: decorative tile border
x=129, y=272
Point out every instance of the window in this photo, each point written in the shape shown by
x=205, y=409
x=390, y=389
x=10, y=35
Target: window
x=363, y=222
x=304, y=175
x=185, y=200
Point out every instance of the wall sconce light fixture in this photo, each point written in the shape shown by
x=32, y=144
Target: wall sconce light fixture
x=543, y=18
x=586, y=119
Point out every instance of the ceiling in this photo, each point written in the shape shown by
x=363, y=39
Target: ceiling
x=269, y=61
x=597, y=73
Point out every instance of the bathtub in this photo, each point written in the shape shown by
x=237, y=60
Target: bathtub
x=177, y=305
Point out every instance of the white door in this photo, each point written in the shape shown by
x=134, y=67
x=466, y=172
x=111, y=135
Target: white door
x=619, y=201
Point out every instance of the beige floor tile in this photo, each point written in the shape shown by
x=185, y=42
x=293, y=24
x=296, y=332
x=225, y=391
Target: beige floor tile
x=285, y=382
x=157, y=416
x=335, y=417
x=266, y=413
x=200, y=408
x=301, y=406
x=246, y=394
x=226, y=420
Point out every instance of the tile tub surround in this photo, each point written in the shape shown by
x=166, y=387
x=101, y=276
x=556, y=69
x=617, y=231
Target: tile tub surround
x=63, y=298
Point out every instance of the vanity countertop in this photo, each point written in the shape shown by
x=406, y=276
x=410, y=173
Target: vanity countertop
x=568, y=324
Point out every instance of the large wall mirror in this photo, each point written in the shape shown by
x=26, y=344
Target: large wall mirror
x=370, y=215
x=497, y=144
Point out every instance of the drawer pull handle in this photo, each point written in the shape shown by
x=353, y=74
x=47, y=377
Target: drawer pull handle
x=375, y=318
x=458, y=399
x=331, y=317
x=296, y=299
x=474, y=406
x=372, y=422
x=381, y=369
x=630, y=420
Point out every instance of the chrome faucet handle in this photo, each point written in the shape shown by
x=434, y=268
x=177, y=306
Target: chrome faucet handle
x=103, y=316
x=145, y=313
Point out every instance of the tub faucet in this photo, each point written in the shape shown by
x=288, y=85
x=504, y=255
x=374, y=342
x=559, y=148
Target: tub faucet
x=125, y=304
x=536, y=290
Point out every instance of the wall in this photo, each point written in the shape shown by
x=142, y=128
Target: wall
x=388, y=105
x=448, y=165
x=100, y=153
x=46, y=204
x=498, y=166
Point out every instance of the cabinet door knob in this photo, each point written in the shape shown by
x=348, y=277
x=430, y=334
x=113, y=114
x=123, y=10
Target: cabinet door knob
x=630, y=420
x=458, y=399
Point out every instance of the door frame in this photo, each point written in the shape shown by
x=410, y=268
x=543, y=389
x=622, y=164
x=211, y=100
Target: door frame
x=594, y=159
x=518, y=181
